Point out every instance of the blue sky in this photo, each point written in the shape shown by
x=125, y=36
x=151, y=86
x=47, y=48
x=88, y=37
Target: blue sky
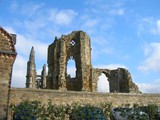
x=124, y=33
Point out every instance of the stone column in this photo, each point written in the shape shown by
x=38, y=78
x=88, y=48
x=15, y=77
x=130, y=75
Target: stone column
x=43, y=76
x=62, y=66
x=31, y=71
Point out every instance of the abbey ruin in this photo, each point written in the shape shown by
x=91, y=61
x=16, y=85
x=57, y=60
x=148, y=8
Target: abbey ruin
x=59, y=87
x=76, y=46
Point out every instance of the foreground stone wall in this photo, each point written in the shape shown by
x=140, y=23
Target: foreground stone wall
x=18, y=94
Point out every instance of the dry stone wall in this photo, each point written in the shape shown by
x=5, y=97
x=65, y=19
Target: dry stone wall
x=17, y=95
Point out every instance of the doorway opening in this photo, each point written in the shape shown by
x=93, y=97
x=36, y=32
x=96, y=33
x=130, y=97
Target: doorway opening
x=103, y=84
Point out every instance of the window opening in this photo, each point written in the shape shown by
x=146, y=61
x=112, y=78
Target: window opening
x=72, y=42
x=103, y=83
x=71, y=68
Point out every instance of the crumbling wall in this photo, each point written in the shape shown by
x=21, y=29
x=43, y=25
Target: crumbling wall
x=120, y=80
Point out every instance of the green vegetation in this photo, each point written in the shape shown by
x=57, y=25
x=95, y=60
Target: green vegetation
x=35, y=110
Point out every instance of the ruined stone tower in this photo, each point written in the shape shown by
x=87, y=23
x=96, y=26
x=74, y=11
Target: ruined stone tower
x=31, y=71
x=74, y=46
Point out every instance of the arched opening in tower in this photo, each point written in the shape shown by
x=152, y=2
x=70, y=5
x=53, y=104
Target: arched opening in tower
x=71, y=68
x=103, y=84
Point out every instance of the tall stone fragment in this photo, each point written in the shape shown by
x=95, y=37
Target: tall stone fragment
x=43, y=76
x=31, y=71
x=7, y=57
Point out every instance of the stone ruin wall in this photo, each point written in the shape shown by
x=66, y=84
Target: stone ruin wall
x=77, y=46
x=119, y=80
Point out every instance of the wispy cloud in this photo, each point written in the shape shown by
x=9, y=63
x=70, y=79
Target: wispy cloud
x=151, y=63
x=156, y=29
x=29, y=9
x=110, y=66
x=62, y=17
x=148, y=25
x=150, y=88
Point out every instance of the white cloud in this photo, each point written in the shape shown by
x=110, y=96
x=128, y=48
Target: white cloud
x=149, y=88
x=158, y=26
x=157, y=29
x=24, y=45
x=19, y=72
x=149, y=25
x=152, y=51
x=62, y=17
x=110, y=66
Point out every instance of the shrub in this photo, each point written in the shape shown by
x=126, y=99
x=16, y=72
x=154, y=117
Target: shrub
x=27, y=110
x=152, y=111
x=34, y=110
x=87, y=112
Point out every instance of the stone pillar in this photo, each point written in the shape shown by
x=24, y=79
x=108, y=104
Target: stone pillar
x=62, y=66
x=31, y=71
x=85, y=53
x=43, y=76
x=7, y=58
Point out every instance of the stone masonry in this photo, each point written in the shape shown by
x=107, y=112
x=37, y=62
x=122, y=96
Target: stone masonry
x=77, y=46
x=81, y=97
x=32, y=79
x=7, y=58
x=73, y=46
x=119, y=80
x=31, y=71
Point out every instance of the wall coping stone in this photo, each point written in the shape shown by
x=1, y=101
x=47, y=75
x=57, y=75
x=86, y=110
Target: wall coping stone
x=84, y=92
